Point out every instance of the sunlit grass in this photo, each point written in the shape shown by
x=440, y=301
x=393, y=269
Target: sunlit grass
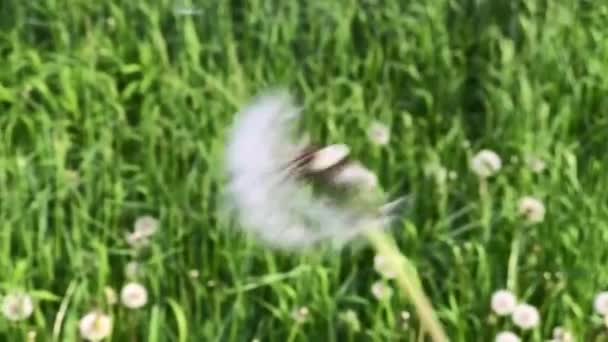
x=114, y=110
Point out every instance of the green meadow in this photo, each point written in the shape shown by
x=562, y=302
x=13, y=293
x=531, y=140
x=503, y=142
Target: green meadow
x=114, y=110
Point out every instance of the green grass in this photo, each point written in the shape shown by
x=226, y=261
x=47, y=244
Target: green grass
x=135, y=98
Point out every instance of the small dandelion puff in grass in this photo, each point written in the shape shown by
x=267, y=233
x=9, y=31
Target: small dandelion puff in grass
x=146, y=225
x=381, y=291
x=17, y=307
x=133, y=270
x=562, y=335
x=379, y=133
x=194, y=274
x=383, y=267
x=531, y=209
x=600, y=304
x=536, y=164
x=300, y=315
x=110, y=295
x=526, y=316
x=404, y=316
x=507, y=336
x=486, y=163
x=31, y=336
x=134, y=295
x=137, y=240
x=503, y=302
x=95, y=326
x=272, y=181
x=351, y=319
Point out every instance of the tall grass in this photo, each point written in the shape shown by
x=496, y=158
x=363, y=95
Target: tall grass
x=110, y=110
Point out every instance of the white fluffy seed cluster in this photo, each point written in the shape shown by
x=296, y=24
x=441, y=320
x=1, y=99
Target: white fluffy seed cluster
x=523, y=315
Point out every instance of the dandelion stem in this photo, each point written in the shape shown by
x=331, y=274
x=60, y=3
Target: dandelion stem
x=408, y=281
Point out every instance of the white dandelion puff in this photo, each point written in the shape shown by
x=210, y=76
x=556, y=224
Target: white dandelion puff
x=381, y=291
x=146, y=226
x=525, y=316
x=134, y=295
x=379, y=133
x=600, y=304
x=137, y=239
x=95, y=326
x=507, y=336
x=532, y=209
x=264, y=157
x=17, y=306
x=300, y=315
x=355, y=174
x=486, y=163
x=503, y=302
x=133, y=270
x=536, y=164
x=560, y=334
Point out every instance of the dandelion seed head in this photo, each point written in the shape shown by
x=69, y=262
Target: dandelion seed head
x=560, y=334
x=146, y=226
x=194, y=274
x=137, y=240
x=95, y=326
x=600, y=304
x=486, y=163
x=17, y=306
x=532, y=209
x=526, y=316
x=507, y=336
x=134, y=295
x=503, y=302
x=536, y=164
x=300, y=315
x=379, y=133
x=133, y=270
x=381, y=291
x=351, y=319
x=272, y=203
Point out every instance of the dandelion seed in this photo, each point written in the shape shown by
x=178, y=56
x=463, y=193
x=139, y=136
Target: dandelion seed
x=536, y=164
x=110, y=294
x=526, y=316
x=379, y=133
x=95, y=326
x=600, y=304
x=134, y=295
x=17, y=306
x=300, y=315
x=532, y=209
x=507, y=336
x=503, y=302
x=146, y=225
x=273, y=203
x=381, y=291
x=486, y=163
x=383, y=266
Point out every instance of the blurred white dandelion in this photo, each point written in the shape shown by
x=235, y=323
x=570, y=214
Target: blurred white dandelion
x=507, y=336
x=560, y=334
x=134, y=295
x=17, y=306
x=503, y=302
x=526, y=316
x=95, y=326
x=300, y=315
x=535, y=164
x=268, y=185
x=194, y=274
x=486, y=163
x=382, y=266
x=137, y=239
x=146, y=225
x=381, y=291
x=351, y=319
x=355, y=174
x=379, y=133
x=531, y=209
x=600, y=304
